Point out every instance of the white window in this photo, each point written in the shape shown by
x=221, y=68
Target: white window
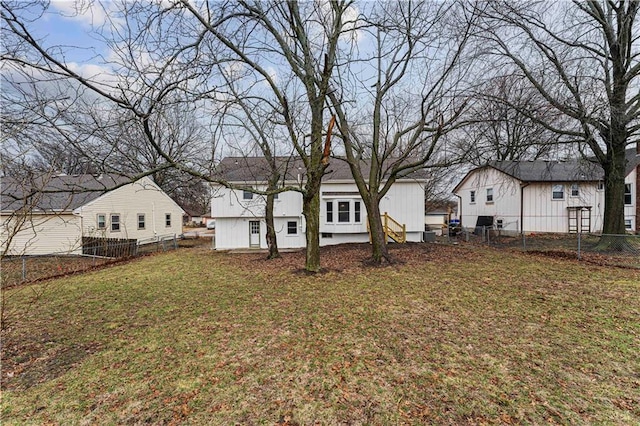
x=343, y=211
x=167, y=220
x=557, y=192
x=329, y=211
x=327, y=235
x=141, y=221
x=627, y=194
x=102, y=221
x=627, y=223
x=347, y=211
x=472, y=195
x=292, y=227
x=247, y=194
x=575, y=190
x=115, y=222
x=489, y=195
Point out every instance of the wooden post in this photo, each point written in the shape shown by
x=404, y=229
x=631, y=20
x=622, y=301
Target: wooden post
x=386, y=227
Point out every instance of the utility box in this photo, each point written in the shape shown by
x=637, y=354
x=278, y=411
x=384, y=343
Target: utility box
x=429, y=236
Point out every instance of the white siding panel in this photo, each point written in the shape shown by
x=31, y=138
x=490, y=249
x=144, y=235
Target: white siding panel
x=630, y=209
x=544, y=214
x=506, y=198
x=44, y=234
x=404, y=202
x=233, y=233
x=141, y=197
x=230, y=203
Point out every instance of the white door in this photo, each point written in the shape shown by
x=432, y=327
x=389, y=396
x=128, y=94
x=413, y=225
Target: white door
x=254, y=233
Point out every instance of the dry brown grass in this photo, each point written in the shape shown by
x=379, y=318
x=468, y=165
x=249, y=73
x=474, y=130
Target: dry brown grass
x=448, y=335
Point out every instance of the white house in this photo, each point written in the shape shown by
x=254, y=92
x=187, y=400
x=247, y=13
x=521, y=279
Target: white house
x=542, y=196
x=52, y=215
x=239, y=214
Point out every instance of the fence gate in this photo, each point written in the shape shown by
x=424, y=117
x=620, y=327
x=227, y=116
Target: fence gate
x=579, y=219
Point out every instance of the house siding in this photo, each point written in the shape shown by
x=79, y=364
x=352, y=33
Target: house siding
x=43, y=235
x=631, y=211
x=140, y=197
x=540, y=212
x=505, y=204
x=404, y=202
x=544, y=214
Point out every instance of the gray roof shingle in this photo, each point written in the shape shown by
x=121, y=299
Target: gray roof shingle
x=581, y=170
x=56, y=193
x=256, y=169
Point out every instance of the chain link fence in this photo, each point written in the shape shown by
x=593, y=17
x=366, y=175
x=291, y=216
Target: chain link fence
x=20, y=269
x=611, y=250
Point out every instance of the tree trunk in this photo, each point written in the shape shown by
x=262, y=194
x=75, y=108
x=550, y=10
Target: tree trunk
x=272, y=241
x=379, y=248
x=614, y=200
x=311, y=212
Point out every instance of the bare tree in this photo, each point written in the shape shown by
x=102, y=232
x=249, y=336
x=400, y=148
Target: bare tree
x=166, y=57
x=583, y=59
x=302, y=38
x=133, y=118
x=414, y=89
x=503, y=123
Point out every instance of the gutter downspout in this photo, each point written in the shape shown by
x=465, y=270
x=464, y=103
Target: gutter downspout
x=153, y=216
x=522, y=187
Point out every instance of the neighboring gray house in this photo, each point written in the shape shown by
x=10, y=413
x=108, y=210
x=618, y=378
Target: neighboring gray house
x=52, y=214
x=543, y=196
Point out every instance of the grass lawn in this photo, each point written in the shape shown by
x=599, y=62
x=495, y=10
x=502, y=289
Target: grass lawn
x=453, y=335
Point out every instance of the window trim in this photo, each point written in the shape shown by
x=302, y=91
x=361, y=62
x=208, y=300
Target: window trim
x=118, y=222
x=560, y=191
x=294, y=228
x=247, y=194
x=577, y=190
x=352, y=213
x=489, y=195
x=329, y=215
x=347, y=212
x=144, y=221
x=628, y=194
x=167, y=220
x=104, y=221
x=472, y=197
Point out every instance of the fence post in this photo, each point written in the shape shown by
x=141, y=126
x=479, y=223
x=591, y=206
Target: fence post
x=579, y=241
x=524, y=241
x=24, y=268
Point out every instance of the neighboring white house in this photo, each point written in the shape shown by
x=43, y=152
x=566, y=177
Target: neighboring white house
x=239, y=214
x=61, y=210
x=542, y=196
x=437, y=220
